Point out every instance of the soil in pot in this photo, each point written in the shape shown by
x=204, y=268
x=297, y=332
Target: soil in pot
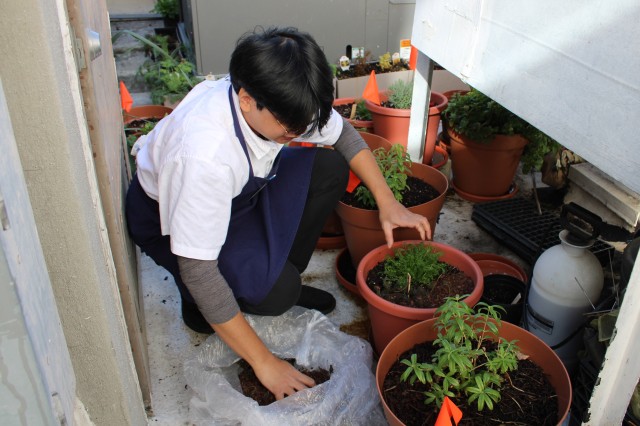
x=527, y=397
x=417, y=192
x=345, y=111
x=451, y=283
x=252, y=388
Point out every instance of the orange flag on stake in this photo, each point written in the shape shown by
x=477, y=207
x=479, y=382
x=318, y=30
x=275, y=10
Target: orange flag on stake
x=448, y=410
x=125, y=98
x=354, y=181
x=371, y=92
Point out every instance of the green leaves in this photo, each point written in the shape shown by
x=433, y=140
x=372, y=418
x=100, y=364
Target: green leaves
x=470, y=360
x=400, y=94
x=480, y=118
x=394, y=165
x=413, y=263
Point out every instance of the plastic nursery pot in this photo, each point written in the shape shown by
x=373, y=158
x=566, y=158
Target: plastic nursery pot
x=388, y=319
x=362, y=229
x=145, y=112
x=440, y=157
x=485, y=170
x=491, y=263
x=507, y=292
x=393, y=124
x=538, y=352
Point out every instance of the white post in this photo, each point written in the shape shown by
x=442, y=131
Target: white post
x=420, y=107
x=621, y=369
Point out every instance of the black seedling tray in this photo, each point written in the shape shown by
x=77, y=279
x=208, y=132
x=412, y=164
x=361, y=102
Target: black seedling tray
x=517, y=224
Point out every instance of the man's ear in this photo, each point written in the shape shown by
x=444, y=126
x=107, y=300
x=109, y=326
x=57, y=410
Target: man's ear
x=246, y=101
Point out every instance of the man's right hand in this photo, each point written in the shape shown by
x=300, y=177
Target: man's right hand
x=277, y=375
x=281, y=378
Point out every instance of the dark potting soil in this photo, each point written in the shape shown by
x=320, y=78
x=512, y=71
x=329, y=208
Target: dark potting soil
x=417, y=192
x=345, y=111
x=364, y=69
x=500, y=294
x=527, y=397
x=252, y=388
x=451, y=283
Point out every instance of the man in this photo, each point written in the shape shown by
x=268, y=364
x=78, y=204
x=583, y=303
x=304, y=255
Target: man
x=233, y=214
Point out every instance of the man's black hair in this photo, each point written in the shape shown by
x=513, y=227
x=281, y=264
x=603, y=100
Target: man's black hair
x=285, y=71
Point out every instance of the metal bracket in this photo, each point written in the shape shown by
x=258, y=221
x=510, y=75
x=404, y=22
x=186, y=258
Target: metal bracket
x=78, y=51
x=4, y=218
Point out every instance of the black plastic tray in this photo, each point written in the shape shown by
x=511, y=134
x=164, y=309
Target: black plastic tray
x=517, y=224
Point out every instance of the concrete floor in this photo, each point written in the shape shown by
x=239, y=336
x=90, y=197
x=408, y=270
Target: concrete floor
x=170, y=342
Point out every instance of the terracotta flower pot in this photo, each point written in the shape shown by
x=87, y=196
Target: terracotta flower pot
x=388, y=319
x=491, y=263
x=360, y=125
x=393, y=124
x=362, y=228
x=145, y=112
x=536, y=349
x=485, y=169
x=439, y=159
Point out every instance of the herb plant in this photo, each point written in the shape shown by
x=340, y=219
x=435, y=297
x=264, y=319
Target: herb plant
x=480, y=118
x=464, y=366
x=394, y=165
x=400, y=95
x=362, y=112
x=169, y=75
x=169, y=9
x=413, y=264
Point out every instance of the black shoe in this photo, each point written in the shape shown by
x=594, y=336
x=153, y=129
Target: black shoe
x=314, y=298
x=194, y=319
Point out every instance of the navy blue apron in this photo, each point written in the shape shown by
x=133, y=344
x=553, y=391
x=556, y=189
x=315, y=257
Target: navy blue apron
x=264, y=221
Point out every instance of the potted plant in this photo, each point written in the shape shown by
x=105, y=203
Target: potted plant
x=350, y=83
x=170, y=11
x=139, y=121
x=168, y=75
x=391, y=118
x=487, y=145
x=356, y=113
x=418, y=187
x=406, y=283
x=484, y=366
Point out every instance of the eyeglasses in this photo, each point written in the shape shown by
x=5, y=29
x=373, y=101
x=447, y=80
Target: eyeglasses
x=286, y=133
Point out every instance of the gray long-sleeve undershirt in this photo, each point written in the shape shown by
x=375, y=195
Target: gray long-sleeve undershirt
x=206, y=284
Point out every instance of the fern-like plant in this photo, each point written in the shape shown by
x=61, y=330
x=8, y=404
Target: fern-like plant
x=413, y=264
x=463, y=366
x=394, y=165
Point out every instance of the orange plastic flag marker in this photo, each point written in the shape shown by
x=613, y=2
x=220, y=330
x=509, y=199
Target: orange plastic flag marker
x=371, y=92
x=354, y=181
x=125, y=98
x=413, y=59
x=448, y=410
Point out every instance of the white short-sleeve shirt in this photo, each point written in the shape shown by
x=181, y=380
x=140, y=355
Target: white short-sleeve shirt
x=193, y=165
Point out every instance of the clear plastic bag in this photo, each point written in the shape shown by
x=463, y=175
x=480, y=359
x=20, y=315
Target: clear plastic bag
x=348, y=398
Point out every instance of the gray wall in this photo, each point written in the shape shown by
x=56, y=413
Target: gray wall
x=377, y=25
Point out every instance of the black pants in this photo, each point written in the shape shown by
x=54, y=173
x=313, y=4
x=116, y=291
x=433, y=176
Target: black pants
x=328, y=183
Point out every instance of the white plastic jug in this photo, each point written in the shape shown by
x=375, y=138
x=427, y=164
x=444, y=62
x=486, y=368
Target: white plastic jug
x=566, y=283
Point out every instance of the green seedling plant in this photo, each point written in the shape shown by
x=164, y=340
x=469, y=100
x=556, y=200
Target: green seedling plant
x=394, y=165
x=462, y=366
x=400, y=95
x=133, y=133
x=362, y=112
x=413, y=264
